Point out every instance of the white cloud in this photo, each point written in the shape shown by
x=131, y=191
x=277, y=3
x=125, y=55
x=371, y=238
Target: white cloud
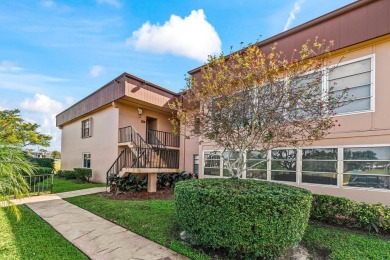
x=42, y=110
x=96, y=71
x=293, y=12
x=42, y=104
x=9, y=66
x=114, y=3
x=48, y=3
x=192, y=36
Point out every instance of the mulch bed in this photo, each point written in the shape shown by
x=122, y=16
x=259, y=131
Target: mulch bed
x=141, y=195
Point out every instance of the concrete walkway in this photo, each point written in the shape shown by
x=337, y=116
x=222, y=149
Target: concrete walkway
x=93, y=235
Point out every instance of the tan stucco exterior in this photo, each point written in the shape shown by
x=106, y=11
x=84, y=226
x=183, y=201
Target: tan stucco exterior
x=102, y=145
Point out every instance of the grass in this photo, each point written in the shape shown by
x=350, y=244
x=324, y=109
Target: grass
x=155, y=220
x=32, y=238
x=62, y=185
x=344, y=244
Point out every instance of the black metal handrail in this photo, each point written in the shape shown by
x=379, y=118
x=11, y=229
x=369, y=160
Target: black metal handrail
x=141, y=157
x=166, y=138
x=143, y=154
x=128, y=134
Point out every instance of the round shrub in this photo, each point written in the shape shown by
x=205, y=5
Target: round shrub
x=248, y=218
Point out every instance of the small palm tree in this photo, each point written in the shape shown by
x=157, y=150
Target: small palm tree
x=13, y=166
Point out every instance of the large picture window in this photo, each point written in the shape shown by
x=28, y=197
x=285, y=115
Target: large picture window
x=363, y=167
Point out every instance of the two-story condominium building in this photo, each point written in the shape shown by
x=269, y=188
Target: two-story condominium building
x=124, y=126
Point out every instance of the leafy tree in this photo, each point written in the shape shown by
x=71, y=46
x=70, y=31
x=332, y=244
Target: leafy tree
x=15, y=131
x=56, y=154
x=255, y=100
x=13, y=166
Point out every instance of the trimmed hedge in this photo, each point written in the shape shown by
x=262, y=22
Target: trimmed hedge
x=352, y=214
x=247, y=218
x=43, y=170
x=67, y=174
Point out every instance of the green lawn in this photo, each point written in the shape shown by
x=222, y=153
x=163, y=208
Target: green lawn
x=62, y=185
x=32, y=238
x=155, y=219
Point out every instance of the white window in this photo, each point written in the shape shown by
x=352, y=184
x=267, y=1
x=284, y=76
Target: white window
x=358, y=77
x=86, y=160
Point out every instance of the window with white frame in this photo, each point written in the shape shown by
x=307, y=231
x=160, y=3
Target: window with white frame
x=367, y=167
x=212, y=163
x=319, y=166
x=357, y=76
x=86, y=160
x=284, y=165
x=363, y=167
x=256, y=165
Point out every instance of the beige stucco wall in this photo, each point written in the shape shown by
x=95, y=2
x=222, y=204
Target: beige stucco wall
x=102, y=145
x=188, y=148
x=128, y=116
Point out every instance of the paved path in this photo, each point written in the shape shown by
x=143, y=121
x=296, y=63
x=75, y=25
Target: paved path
x=93, y=235
x=57, y=196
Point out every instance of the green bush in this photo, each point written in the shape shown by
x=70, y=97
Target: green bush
x=67, y=174
x=42, y=162
x=83, y=174
x=43, y=170
x=169, y=180
x=247, y=218
x=352, y=214
x=131, y=182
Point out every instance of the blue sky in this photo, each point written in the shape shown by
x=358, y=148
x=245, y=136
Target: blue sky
x=53, y=53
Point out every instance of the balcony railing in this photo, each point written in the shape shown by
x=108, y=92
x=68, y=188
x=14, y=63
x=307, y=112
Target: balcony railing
x=168, y=139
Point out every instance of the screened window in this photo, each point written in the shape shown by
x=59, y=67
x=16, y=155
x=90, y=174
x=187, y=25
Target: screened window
x=284, y=165
x=86, y=128
x=357, y=77
x=86, y=160
x=319, y=166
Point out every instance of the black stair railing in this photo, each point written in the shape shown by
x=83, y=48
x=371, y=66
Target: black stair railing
x=166, y=138
x=142, y=154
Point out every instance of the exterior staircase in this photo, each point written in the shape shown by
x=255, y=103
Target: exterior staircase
x=140, y=156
